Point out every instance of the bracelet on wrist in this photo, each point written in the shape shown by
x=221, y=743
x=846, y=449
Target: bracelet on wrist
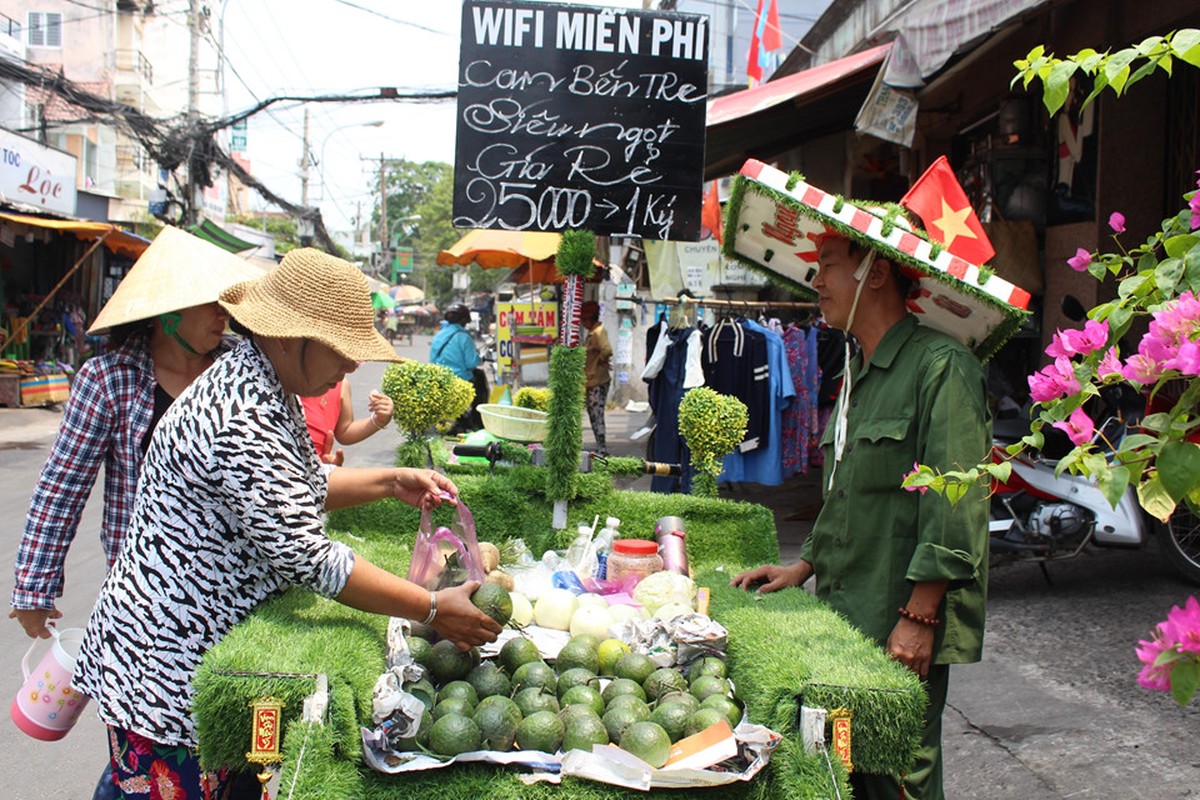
x=931, y=622
x=377, y=425
x=432, y=609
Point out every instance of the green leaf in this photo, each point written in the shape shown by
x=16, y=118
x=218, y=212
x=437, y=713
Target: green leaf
x=1000, y=472
x=1015, y=448
x=1119, y=319
x=955, y=492
x=1097, y=88
x=1129, y=286
x=1136, y=441
x=1058, y=84
x=1116, y=69
x=1146, y=47
x=1113, y=482
x=1145, y=69
x=1185, y=680
x=1167, y=274
x=1176, y=246
x=1158, y=423
x=1155, y=500
x=1185, y=43
x=1097, y=269
x=1179, y=468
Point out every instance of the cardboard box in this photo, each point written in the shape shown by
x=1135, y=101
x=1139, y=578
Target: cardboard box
x=41, y=390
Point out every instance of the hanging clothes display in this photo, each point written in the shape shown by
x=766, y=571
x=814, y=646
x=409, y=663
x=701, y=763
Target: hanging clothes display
x=735, y=364
x=672, y=368
x=764, y=464
x=800, y=417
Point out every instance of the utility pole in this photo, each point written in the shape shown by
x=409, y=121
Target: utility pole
x=304, y=162
x=193, y=106
x=383, y=223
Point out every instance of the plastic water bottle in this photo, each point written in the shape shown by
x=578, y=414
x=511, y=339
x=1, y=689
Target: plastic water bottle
x=602, y=545
x=577, y=553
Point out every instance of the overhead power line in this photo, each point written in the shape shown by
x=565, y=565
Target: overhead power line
x=175, y=141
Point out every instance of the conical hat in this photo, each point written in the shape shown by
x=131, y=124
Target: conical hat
x=776, y=222
x=178, y=270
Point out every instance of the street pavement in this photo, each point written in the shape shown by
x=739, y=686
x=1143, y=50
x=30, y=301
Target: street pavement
x=1051, y=712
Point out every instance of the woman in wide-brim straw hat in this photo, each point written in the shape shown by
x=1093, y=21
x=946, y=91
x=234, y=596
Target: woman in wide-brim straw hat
x=230, y=511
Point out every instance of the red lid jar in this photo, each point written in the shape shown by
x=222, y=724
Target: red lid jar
x=633, y=557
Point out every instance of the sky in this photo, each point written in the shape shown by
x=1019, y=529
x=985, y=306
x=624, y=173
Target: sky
x=312, y=47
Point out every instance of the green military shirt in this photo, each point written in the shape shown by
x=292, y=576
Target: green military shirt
x=921, y=399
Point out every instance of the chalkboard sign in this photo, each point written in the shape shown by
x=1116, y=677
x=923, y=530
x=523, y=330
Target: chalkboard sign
x=575, y=116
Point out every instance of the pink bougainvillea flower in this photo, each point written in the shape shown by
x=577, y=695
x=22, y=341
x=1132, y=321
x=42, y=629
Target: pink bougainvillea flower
x=1182, y=627
x=1186, y=360
x=1116, y=221
x=1153, y=677
x=1053, y=381
x=1141, y=369
x=1079, y=342
x=1079, y=262
x=1194, y=205
x=922, y=489
x=1110, y=364
x=1078, y=427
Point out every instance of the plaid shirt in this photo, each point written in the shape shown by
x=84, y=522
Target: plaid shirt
x=105, y=418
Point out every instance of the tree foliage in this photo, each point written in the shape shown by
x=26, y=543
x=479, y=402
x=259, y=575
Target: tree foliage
x=1116, y=71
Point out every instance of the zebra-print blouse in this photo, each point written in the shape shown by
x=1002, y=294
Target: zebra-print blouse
x=228, y=511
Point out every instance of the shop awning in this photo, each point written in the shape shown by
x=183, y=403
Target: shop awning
x=213, y=233
x=776, y=116
x=118, y=241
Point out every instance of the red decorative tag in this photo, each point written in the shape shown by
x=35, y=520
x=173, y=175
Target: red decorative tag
x=841, y=736
x=265, y=730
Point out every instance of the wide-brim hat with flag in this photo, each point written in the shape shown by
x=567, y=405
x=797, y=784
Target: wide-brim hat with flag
x=177, y=271
x=776, y=222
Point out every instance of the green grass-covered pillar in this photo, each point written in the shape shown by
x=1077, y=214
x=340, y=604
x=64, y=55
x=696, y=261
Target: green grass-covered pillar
x=564, y=427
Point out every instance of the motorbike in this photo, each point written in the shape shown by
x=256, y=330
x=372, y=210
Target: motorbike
x=1038, y=516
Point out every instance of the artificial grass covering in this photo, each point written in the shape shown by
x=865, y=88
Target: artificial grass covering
x=780, y=646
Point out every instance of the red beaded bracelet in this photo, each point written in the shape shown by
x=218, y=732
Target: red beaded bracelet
x=931, y=622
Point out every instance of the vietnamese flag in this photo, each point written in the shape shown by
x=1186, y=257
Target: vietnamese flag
x=939, y=200
x=710, y=213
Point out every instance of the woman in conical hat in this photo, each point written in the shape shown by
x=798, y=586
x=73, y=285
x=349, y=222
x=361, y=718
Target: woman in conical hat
x=231, y=509
x=165, y=329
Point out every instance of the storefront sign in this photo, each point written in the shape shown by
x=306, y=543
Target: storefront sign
x=575, y=116
x=521, y=319
x=695, y=266
x=36, y=175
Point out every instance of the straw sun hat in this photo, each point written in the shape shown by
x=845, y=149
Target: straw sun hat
x=312, y=295
x=177, y=271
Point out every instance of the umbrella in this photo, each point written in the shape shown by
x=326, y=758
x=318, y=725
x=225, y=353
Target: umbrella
x=544, y=272
x=381, y=300
x=499, y=248
x=406, y=294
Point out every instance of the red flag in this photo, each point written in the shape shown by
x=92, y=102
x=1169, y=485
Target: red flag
x=710, y=213
x=939, y=200
x=772, y=35
x=753, y=66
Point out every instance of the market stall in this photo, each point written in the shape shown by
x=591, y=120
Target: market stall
x=298, y=642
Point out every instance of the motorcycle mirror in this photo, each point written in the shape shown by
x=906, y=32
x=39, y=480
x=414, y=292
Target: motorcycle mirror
x=1072, y=308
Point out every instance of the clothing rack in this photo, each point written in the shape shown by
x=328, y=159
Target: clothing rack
x=747, y=304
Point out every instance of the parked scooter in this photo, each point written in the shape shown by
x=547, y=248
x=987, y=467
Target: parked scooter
x=1041, y=517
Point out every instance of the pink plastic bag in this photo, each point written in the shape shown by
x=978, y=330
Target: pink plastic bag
x=447, y=556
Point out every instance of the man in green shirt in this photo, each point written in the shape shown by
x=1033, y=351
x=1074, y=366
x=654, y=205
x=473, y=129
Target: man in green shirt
x=909, y=570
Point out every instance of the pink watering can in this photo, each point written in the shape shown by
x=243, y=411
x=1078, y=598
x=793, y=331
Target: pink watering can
x=47, y=705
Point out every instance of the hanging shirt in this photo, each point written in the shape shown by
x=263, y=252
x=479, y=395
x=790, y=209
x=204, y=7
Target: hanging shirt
x=735, y=364
x=764, y=465
x=666, y=390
